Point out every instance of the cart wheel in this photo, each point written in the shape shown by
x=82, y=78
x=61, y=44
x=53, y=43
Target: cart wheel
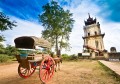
x=47, y=68
x=24, y=72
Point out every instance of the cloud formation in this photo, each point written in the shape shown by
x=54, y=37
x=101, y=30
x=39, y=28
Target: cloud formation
x=24, y=28
x=80, y=13
x=109, y=9
x=106, y=12
x=23, y=9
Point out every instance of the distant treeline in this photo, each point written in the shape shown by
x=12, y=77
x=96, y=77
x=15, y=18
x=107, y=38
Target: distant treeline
x=9, y=50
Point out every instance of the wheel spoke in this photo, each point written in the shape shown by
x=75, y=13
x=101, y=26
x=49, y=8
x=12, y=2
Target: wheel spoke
x=44, y=74
x=51, y=72
x=24, y=72
x=47, y=75
x=28, y=72
x=46, y=69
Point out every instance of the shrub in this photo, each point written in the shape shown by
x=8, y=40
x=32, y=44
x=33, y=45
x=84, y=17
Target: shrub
x=3, y=58
x=65, y=57
x=73, y=57
x=11, y=50
x=68, y=58
x=2, y=50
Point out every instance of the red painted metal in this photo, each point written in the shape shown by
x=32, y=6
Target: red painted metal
x=24, y=72
x=47, y=69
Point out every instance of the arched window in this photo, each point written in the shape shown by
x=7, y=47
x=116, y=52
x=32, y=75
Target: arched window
x=88, y=34
x=96, y=43
x=95, y=33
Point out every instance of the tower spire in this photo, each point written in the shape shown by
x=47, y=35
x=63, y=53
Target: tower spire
x=89, y=15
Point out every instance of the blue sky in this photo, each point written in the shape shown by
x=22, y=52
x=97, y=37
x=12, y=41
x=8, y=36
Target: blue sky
x=25, y=13
x=23, y=9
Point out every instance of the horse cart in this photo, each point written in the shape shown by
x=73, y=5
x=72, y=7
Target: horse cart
x=28, y=60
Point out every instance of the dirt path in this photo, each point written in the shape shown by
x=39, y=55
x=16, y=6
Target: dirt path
x=82, y=72
x=114, y=66
x=9, y=75
x=8, y=72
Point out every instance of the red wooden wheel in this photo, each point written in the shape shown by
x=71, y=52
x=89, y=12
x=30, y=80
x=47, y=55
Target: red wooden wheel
x=47, y=68
x=24, y=72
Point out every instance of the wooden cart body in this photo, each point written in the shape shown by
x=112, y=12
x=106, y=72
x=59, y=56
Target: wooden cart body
x=29, y=61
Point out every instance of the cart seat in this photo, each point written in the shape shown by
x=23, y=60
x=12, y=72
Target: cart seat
x=34, y=60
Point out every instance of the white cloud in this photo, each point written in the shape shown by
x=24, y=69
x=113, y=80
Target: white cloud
x=80, y=13
x=24, y=28
x=111, y=29
x=112, y=34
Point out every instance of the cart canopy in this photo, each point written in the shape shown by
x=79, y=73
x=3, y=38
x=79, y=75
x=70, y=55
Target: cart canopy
x=30, y=42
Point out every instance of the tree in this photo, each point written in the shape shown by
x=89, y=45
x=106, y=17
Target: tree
x=2, y=49
x=5, y=24
x=11, y=50
x=57, y=24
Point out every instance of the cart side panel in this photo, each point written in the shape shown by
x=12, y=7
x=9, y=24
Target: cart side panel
x=25, y=63
x=18, y=58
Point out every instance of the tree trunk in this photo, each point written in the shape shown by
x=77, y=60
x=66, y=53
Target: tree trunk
x=57, y=46
x=59, y=52
x=60, y=44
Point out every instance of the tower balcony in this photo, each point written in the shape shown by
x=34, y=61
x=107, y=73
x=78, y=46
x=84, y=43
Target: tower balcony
x=93, y=35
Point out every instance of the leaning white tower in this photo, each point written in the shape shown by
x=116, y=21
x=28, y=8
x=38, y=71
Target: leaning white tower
x=93, y=38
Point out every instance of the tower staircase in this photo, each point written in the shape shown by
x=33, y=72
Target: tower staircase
x=100, y=57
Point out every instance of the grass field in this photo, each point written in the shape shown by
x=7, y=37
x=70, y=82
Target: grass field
x=82, y=72
x=72, y=72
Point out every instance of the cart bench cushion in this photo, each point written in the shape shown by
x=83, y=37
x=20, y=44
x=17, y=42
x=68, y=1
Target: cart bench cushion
x=34, y=60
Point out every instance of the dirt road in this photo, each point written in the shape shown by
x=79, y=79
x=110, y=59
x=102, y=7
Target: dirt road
x=9, y=75
x=82, y=72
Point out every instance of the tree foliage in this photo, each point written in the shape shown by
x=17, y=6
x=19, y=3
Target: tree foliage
x=58, y=24
x=2, y=49
x=5, y=24
x=11, y=50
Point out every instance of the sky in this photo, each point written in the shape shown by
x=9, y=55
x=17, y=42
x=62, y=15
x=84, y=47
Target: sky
x=25, y=13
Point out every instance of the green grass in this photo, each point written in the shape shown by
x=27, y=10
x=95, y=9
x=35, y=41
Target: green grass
x=83, y=72
x=69, y=58
x=110, y=72
x=5, y=58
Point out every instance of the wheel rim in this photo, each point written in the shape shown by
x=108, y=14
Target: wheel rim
x=46, y=69
x=24, y=72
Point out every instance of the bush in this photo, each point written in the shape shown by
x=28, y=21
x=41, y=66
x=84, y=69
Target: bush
x=2, y=50
x=11, y=50
x=69, y=58
x=3, y=58
x=73, y=57
x=65, y=57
